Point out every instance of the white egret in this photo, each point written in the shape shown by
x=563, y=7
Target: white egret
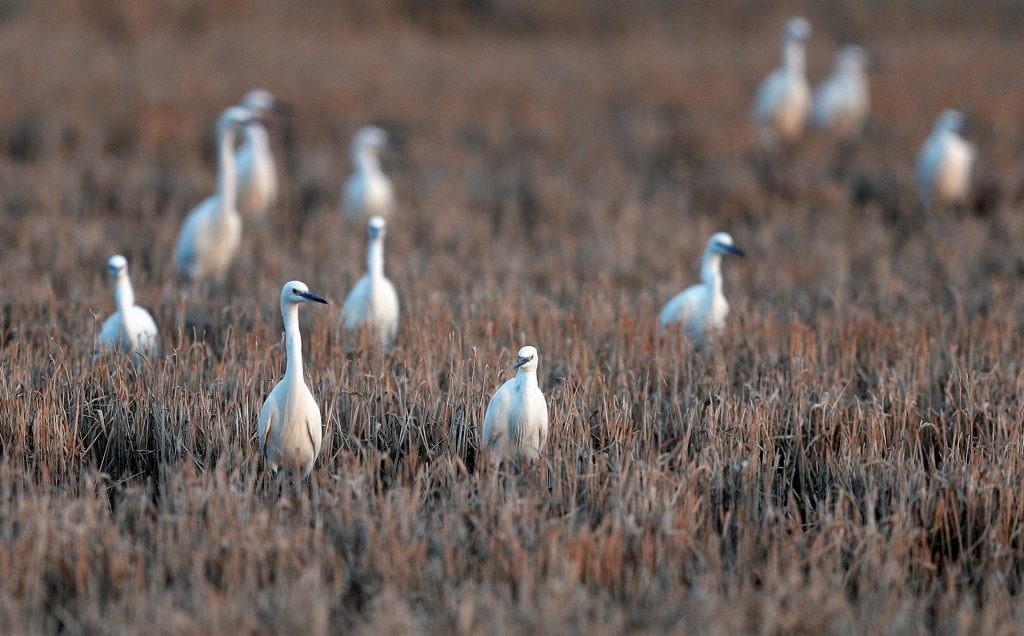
x=516, y=421
x=945, y=163
x=290, y=430
x=130, y=329
x=257, y=174
x=368, y=191
x=784, y=97
x=212, y=232
x=842, y=102
x=373, y=301
x=702, y=308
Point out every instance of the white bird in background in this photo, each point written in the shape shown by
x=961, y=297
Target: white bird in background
x=516, y=421
x=842, y=102
x=257, y=174
x=290, y=430
x=784, y=97
x=702, y=308
x=130, y=329
x=368, y=191
x=373, y=301
x=945, y=163
x=212, y=232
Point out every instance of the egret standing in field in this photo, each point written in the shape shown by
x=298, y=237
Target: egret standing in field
x=290, y=430
x=257, y=174
x=368, y=191
x=945, y=163
x=130, y=329
x=212, y=232
x=516, y=421
x=373, y=302
x=702, y=308
x=784, y=97
x=841, y=102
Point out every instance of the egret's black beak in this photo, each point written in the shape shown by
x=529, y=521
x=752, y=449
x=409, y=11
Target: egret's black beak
x=730, y=249
x=520, y=362
x=313, y=297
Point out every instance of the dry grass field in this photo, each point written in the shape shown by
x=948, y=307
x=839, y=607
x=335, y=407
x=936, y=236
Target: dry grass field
x=848, y=459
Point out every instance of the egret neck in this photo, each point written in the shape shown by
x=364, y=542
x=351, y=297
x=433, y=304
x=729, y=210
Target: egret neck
x=367, y=162
x=293, y=344
x=375, y=259
x=227, y=186
x=711, y=272
x=793, y=56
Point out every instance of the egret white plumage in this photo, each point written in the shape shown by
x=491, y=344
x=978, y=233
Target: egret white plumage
x=257, y=174
x=842, y=102
x=368, y=191
x=211, y=233
x=702, y=308
x=945, y=163
x=784, y=97
x=130, y=329
x=290, y=430
x=373, y=301
x=516, y=421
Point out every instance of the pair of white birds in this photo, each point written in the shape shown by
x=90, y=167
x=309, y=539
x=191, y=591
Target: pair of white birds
x=247, y=186
x=784, y=104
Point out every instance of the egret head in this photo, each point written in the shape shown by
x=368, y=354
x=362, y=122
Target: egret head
x=117, y=266
x=951, y=120
x=722, y=243
x=852, y=58
x=376, y=227
x=297, y=292
x=370, y=138
x=233, y=118
x=262, y=103
x=527, y=360
x=798, y=29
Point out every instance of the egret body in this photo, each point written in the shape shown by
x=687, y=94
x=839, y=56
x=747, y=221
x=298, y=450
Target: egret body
x=373, y=302
x=368, y=191
x=702, y=308
x=842, y=102
x=212, y=232
x=130, y=329
x=784, y=97
x=290, y=430
x=945, y=163
x=516, y=421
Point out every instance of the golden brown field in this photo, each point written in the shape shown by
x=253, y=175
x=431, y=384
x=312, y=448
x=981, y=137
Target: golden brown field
x=847, y=460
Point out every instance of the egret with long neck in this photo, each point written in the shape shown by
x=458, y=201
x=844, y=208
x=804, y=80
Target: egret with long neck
x=702, y=308
x=211, y=234
x=516, y=420
x=130, y=329
x=784, y=97
x=373, y=302
x=368, y=191
x=289, y=429
x=257, y=173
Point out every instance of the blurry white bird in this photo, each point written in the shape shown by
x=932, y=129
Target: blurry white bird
x=702, y=308
x=211, y=233
x=373, y=301
x=130, y=329
x=257, y=174
x=290, y=427
x=368, y=191
x=841, y=102
x=784, y=97
x=945, y=163
x=516, y=421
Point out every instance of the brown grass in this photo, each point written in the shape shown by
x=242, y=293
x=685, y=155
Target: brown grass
x=847, y=460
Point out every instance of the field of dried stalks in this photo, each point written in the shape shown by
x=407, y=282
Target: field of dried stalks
x=847, y=460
